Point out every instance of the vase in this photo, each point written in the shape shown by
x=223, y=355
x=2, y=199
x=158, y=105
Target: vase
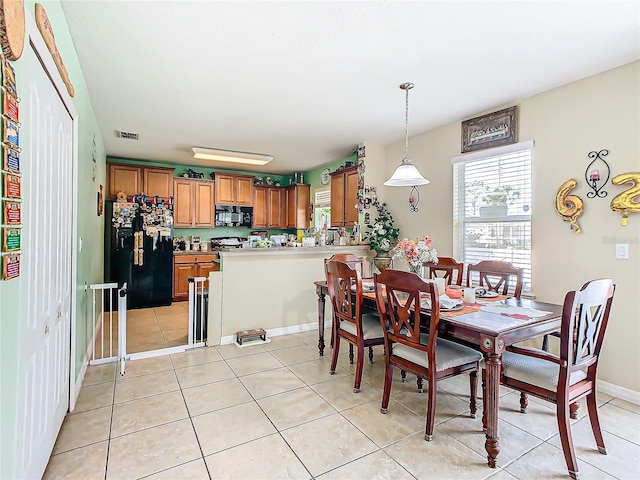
x=417, y=269
x=382, y=261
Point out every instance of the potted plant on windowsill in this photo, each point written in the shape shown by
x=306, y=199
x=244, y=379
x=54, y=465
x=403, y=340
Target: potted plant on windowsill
x=497, y=200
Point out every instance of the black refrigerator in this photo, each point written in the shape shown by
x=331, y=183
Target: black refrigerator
x=139, y=251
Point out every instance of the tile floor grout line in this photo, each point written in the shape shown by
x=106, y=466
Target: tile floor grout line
x=195, y=432
x=113, y=401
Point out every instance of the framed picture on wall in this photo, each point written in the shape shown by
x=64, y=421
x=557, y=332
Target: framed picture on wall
x=491, y=130
x=100, y=202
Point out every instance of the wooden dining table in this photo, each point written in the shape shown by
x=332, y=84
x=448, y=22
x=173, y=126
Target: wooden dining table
x=490, y=331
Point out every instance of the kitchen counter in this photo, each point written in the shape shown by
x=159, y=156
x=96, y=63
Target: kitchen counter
x=330, y=250
x=179, y=253
x=269, y=288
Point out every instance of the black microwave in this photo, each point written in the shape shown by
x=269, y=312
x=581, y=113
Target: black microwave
x=233, y=216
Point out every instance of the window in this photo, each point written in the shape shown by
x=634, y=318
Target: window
x=492, y=206
x=322, y=208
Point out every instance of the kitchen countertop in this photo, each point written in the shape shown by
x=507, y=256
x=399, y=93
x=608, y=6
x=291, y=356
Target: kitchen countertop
x=292, y=250
x=178, y=253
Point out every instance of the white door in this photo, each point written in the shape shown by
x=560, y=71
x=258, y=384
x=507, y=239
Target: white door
x=46, y=267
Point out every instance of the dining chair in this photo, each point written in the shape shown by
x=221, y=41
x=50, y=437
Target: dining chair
x=349, y=320
x=566, y=378
x=399, y=296
x=358, y=263
x=496, y=276
x=446, y=267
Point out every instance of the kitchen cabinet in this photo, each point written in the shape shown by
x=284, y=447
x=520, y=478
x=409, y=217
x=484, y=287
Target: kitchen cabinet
x=298, y=200
x=344, y=197
x=194, y=265
x=132, y=179
x=269, y=207
x=234, y=189
x=193, y=204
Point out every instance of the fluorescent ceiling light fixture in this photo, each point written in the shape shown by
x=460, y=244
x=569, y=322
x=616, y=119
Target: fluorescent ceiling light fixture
x=230, y=156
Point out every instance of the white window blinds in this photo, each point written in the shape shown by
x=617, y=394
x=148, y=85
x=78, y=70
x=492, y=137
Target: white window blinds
x=492, y=207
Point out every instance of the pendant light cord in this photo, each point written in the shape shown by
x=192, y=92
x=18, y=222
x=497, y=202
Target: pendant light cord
x=406, y=120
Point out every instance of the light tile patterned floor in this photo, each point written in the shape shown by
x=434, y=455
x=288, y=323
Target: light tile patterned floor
x=273, y=411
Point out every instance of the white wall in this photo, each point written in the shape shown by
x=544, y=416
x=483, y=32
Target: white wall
x=566, y=123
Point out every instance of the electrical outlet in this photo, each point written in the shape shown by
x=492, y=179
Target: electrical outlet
x=622, y=251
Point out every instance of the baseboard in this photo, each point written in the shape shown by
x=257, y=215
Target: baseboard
x=78, y=382
x=619, y=392
x=276, y=332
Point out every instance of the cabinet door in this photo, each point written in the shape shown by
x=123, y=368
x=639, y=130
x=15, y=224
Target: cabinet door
x=298, y=198
x=260, y=207
x=204, y=213
x=204, y=269
x=181, y=273
x=337, y=200
x=183, y=204
x=351, y=198
x=244, y=191
x=158, y=181
x=274, y=197
x=224, y=189
x=124, y=178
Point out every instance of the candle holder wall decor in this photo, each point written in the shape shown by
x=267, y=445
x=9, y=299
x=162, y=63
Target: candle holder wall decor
x=597, y=173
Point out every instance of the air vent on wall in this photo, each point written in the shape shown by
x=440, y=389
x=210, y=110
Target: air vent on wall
x=128, y=135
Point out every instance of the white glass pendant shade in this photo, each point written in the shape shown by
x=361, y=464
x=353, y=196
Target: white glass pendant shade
x=406, y=175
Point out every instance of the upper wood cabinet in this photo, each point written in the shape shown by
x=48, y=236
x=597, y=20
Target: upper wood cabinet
x=269, y=207
x=298, y=200
x=344, y=197
x=193, y=205
x=133, y=179
x=234, y=189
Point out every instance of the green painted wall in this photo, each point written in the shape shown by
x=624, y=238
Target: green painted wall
x=90, y=229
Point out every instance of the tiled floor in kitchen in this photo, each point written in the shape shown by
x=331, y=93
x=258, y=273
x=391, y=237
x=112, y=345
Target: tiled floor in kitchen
x=273, y=411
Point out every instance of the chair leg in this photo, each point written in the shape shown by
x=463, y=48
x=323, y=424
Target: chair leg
x=403, y=374
x=545, y=343
x=359, y=366
x=592, y=408
x=419, y=383
x=431, y=409
x=564, y=427
x=351, y=353
x=371, y=355
x=334, y=356
x=386, y=391
x=524, y=403
x=573, y=410
x=473, y=389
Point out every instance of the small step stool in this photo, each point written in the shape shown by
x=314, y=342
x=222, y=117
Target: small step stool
x=256, y=332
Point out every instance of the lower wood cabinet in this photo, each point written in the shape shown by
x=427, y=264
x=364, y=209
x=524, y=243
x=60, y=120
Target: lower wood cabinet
x=195, y=265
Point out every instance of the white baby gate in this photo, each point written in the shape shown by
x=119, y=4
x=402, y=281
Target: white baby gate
x=198, y=305
x=108, y=331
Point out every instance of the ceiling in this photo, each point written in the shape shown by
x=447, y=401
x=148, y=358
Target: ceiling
x=307, y=81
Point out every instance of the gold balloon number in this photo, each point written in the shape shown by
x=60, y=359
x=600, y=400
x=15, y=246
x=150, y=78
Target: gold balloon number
x=627, y=201
x=570, y=207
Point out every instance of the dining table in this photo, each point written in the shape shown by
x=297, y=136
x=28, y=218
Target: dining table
x=492, y=325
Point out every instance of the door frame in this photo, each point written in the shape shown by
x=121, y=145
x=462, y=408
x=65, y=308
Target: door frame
x=36, y=42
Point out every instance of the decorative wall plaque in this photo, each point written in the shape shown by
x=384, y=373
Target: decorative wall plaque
x=12, y=28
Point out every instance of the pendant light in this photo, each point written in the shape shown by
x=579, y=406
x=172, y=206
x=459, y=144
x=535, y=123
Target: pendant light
x=407, y=175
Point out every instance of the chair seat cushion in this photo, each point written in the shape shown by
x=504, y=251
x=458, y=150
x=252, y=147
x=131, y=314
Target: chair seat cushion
x=536, y=371
x=448, y=354
x=371, y=327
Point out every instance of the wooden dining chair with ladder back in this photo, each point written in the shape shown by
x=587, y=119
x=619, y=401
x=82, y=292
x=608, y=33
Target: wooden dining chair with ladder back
x=350, y=322
x=448, y=268
x=566, y=378
x=399, y=297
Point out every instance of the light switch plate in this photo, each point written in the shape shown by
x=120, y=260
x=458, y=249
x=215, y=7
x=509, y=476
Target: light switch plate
x=622, y=251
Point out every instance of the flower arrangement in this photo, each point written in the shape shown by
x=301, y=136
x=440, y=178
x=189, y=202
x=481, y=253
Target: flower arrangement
x=383, y=234
x=416, y=252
